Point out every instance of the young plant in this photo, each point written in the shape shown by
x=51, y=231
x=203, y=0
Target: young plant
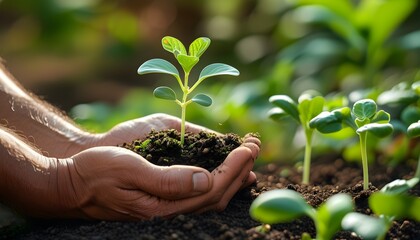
x=363, y=118
x=187, y=60
x=284, y=205
x=391, y=203
x=307, y=108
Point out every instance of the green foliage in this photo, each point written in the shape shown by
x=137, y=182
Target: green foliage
x=187, y=62
x=363, y=118
x=391, y=203
x=308, y=107
x=283, y=205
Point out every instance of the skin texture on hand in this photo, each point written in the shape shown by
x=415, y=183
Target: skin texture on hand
x=113, y=183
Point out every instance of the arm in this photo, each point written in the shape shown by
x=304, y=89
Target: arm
x=44, y=125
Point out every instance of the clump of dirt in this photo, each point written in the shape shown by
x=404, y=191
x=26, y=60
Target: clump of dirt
x=204, y=149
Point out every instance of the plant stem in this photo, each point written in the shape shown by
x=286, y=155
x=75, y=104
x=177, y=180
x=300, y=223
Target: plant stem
x=307, y=159
x=184, y=103
x=417, y=174
x=362, y=137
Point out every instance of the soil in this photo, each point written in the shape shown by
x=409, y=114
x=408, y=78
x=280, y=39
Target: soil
x=329, y=175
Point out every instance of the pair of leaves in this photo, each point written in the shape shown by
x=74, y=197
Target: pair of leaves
x=159, y=65
x=168, y=94
x=284, y=205
x=190, y=59
x=303, y=112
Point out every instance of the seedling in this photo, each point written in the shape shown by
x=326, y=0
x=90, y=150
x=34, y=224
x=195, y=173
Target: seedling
x=307, y=108
x=391, y=203
x=363, y=118
x=284, y=205
x=187, y=60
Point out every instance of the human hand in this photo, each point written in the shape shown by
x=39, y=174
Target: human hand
x=140, y=127
x=113, y=183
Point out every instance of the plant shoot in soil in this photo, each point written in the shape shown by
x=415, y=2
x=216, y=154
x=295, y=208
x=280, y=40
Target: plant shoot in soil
x=187, y=60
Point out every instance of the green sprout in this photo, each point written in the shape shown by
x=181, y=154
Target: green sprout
x=307, y=108
x=187, y=60
x=284, y=205
x=363, y=118
x=391, y=203
x=414, y=131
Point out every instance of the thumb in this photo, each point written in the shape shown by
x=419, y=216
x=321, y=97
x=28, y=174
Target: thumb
x=176, y=182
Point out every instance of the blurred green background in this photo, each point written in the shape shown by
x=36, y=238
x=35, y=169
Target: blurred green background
x=82, y=56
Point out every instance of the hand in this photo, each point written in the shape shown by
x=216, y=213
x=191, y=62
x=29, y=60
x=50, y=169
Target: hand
x=113, y=183
x=140, y=127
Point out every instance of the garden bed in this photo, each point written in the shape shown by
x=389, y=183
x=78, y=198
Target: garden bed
x=329, y=176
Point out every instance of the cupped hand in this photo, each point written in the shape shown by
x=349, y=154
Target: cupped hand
x=113, y=183
x=140, y=127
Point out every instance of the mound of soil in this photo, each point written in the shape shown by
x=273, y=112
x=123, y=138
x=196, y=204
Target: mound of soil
x=329, y=176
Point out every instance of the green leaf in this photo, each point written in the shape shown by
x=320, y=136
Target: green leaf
x=216, y=69
x=278, y=206
x=202, y=99
x=399, y=186
x=287, y=104
x=187, y=62
x=199, y=46
x=309, y=108
x=173, y=45
x=368, y=227
x=330, y=214
x=364, y=109
x=402, y=206
x=378, y=129
x=277, y=114
x=416, y=87
x=414, y=130
x=326, y=122
x=158, y=65
x=381, y=117
x=164, y=93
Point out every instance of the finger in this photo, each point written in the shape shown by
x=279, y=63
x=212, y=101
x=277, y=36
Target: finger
x=239, y=165
x=251, y=138
x=174, y=182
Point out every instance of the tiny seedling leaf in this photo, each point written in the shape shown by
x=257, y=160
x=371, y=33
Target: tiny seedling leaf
x=187, y=62
x=330, y=214
x=378, y=129
x=395, y=205
x=158, y=65
x=364, y=109
x=287, y=104
x=202, y=99
x=399, y=186
x=199, y=46
x=173, y=45
x=326, y=122
x=414, y=130
x=216, y=69
x=164, y=93
x=381, y=117
x=309, y=108
x=277, y=206
x=277, y=114
x=368, y=227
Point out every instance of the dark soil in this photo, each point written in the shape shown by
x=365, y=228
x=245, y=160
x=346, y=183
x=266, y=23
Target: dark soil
x=329, y=175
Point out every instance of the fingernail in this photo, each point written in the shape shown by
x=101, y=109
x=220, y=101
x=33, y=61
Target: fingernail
x=200, y=182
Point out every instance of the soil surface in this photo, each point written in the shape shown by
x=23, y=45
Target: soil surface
x=329, y=175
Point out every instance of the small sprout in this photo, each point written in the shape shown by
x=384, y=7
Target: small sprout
x=284, y=205
x=363, y=118
x=307, y=108
x=187, y=60
x=391, y=203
